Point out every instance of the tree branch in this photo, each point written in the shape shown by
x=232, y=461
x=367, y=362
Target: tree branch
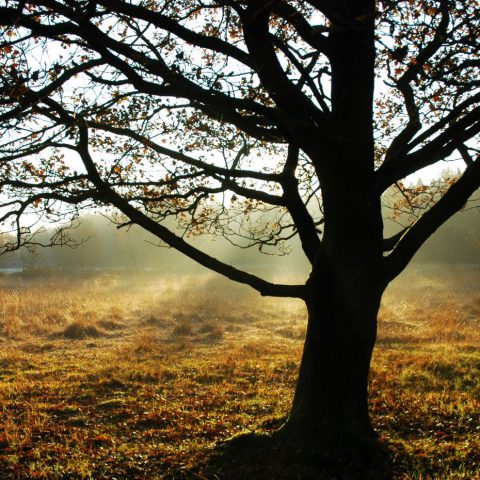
x=301, y=217
x=411, y=240
x=164, y=234
x=440, y=148
x=286, y=95
x=310, y=34
x=163, y=22
x=398, y=147
x=189, y=160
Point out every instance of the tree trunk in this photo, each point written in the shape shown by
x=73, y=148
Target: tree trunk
x=346, y=283
x=331, y=398
x=344, y=294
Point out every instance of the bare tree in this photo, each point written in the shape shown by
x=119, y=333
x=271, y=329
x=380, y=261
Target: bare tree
x=207, y=112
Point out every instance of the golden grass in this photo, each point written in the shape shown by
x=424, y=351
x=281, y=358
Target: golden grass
x=104, y=376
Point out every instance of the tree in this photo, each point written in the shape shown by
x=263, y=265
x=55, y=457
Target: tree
x=220, y=113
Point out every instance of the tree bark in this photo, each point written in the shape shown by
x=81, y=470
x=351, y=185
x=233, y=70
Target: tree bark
x=331, y=398
x=343, y=298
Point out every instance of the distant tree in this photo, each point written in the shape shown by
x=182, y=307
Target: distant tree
x=211, y=112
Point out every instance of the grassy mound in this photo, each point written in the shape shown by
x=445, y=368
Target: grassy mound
x=81, y=331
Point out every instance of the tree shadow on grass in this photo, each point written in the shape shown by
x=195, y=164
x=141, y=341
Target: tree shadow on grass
x=255, y=456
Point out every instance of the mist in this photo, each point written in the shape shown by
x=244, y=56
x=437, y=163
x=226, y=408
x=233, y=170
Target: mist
x=100, y=245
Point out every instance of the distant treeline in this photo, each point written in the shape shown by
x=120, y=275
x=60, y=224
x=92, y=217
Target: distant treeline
x=96, y=244
x=103, y=246
x=456, y=242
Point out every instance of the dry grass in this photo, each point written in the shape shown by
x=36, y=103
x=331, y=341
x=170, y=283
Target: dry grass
x=138, y=377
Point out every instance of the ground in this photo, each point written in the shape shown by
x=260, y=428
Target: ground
x=141, y=376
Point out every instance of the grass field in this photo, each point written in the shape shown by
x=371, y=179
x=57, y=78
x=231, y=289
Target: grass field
x=139, y=377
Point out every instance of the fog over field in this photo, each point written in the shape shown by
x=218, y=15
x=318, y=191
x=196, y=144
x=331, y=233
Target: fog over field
x=99, y=244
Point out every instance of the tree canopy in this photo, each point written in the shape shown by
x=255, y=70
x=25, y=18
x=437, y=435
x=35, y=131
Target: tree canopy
x=235, y=117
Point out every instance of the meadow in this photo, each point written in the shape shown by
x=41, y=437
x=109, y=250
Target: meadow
x=142, y=376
